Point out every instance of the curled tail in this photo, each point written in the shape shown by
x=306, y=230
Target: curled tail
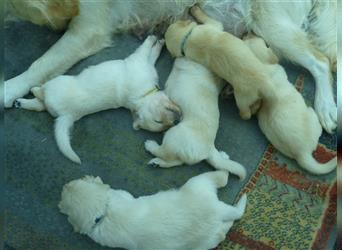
x=309, y=163
x=62, y=128
x=220, y=160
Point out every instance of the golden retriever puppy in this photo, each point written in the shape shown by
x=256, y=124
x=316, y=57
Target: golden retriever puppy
x=224, y=54
x=195, y=90
x=191, y=217
x=288, y=123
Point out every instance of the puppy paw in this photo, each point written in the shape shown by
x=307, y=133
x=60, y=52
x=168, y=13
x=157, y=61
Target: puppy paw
x=224, y=155
x=195, y=10
x=150, y=146
x=15, y=88
x=17, y=104
x=154, y=163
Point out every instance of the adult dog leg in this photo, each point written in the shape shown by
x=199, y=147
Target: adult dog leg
x=77, y=43
x=30, y=104
x=292, y=43
x=201, y=17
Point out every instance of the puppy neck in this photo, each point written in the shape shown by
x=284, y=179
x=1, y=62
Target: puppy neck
x=184, y=41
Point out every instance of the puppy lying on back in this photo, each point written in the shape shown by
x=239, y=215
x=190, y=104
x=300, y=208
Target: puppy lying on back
x=225, y=55
x=291, y=126
x=131, y=83
x=191, y=217
x=195, y=89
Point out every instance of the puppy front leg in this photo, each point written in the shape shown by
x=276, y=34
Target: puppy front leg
x=201, y=17
x=77, y=43
x=243, y=105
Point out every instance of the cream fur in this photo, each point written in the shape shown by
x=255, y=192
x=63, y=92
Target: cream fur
x=195, y=90
x=191, y=217
x=129, y=83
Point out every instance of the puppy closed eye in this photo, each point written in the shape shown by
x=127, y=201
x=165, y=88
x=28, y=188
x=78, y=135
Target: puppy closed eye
x=160, y=122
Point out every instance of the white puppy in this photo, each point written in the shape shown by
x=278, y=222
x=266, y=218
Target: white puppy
x=131, y=83
x=191, y=217
x=289, y=124
x=195, y=89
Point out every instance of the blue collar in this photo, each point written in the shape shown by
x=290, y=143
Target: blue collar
x=185, y=39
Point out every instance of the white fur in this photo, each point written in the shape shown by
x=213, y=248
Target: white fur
x=195, y=90
x=191, y=217
x=279, y=23
x=129, y=83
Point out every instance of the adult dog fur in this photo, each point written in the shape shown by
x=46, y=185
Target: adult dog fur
x=301, y=31
x=291, y=126
x=131, y=83
x=191, y=217
x=195, y=90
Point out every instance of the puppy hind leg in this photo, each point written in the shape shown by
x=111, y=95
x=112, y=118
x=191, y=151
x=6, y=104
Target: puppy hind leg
x=38, y=92
x=231, y=213
x=30, y=104
x=201, y=17
x=158, y=162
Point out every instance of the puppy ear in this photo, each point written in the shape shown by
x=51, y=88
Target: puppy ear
x=98, y=180
x=136, y=119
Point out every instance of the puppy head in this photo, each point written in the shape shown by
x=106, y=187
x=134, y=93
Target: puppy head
x=156, y=113
x=53, y=13
x=175, y=34
x=84, y=201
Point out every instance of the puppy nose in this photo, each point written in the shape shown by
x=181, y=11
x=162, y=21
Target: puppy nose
x=177, y=117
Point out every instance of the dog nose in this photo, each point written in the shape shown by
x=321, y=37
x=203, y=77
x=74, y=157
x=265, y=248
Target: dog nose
x=177, y=117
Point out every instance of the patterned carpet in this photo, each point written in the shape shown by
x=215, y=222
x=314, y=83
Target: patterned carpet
x=286, y=209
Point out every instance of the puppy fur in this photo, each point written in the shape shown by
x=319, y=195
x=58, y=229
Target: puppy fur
x=224, y=54
x=131, y=83
x=191, y=217
x=291, y=126
x=195, y=90
x=305, y=34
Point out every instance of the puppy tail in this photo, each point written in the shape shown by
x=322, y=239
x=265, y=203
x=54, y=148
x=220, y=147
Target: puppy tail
x=62, y=128
x=220, y=160
x=309, y=163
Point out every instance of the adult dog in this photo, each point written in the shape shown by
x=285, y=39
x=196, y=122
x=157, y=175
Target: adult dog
x=195, y=89
x=191, y=217
x=131, y=83
x=301, y=31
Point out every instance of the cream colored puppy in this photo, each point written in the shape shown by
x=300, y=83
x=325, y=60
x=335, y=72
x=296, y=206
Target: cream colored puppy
x=288, y=123
x=191, y=217
x=131, y=83
x=195, y=90
x=225, y=55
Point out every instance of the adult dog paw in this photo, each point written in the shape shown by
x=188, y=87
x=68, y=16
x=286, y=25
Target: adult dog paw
x=327, y=115
x=15, y=88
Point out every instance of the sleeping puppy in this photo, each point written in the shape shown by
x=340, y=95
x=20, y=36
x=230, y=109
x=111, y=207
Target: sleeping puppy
x=131, y=83
x=224, y=54
x=289, y=124
x=191, y=217
x=195, y=89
